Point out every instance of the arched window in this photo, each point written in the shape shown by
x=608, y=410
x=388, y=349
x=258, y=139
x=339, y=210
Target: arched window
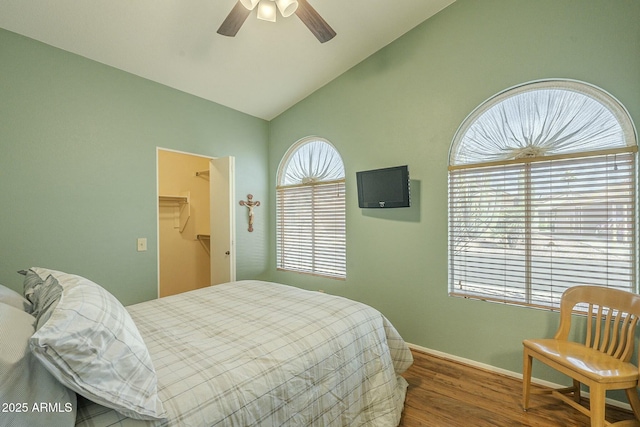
x=542, y=195
x=310, y=210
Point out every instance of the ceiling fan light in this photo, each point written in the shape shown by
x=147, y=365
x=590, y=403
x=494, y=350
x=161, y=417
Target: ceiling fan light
x=267, y=11
x=287, y=7
x=249, y=4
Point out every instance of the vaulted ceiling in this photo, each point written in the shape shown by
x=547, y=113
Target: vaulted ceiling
x=265, y=69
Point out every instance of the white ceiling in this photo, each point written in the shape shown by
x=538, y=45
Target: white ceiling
x=264, y=70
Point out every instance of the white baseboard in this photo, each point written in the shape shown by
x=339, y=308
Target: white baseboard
x=505, y=372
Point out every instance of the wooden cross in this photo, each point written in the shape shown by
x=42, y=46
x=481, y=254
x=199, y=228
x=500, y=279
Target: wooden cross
x=250, y=205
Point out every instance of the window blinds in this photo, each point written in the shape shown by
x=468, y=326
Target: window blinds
x=311, y=228
x=524, y=231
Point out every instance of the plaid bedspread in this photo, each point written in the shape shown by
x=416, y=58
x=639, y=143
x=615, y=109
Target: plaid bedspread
x=253, y=353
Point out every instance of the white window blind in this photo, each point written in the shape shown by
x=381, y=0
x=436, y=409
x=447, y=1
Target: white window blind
x=524, y=233
x=539, y=215
x=310, y=210
x=311, y=229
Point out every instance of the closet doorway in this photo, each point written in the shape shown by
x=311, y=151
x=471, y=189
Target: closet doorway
x=196, y=229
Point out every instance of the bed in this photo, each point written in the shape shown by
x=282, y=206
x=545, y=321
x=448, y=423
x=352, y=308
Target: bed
x=246, y=353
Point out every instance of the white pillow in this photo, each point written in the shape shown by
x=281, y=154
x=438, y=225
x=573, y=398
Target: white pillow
x=90, y=343
x=13, y=298
x=26, y=384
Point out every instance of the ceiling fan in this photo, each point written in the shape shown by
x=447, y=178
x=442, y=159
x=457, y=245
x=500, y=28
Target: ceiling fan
x=267, y=11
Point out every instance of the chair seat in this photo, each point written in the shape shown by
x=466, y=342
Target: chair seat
x=592, y=364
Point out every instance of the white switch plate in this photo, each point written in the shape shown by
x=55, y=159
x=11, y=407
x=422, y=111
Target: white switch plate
x=142, y=244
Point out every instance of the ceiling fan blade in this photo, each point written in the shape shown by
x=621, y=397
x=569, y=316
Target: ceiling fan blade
x=234, y=20
x=314, y=22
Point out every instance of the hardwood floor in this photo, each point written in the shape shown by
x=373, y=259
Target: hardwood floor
x=443, y=393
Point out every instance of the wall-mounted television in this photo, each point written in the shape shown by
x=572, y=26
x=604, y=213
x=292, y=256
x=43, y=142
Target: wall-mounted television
x=384, y=188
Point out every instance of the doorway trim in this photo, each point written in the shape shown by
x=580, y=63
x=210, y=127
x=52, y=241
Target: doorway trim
x=232, y=243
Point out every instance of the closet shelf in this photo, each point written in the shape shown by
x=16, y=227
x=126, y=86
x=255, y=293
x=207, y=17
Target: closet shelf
x=182, y=208
x=174, y=199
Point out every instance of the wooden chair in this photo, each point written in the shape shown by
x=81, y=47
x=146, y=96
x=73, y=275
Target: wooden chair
x=602, y=362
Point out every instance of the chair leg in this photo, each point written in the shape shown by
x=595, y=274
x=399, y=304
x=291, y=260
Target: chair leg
x=576, y=391
x=526, y=379
x=597, y=405
x=634, y=401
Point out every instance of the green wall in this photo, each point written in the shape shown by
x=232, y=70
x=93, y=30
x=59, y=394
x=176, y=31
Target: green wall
x=78, y=166
x=403, y=105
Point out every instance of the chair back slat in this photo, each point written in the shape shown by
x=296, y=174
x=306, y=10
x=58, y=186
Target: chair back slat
x=616, y=333
x=628, y=348
x=589, y=325
x=598, y=322
x=624, y=336
x=607, y=327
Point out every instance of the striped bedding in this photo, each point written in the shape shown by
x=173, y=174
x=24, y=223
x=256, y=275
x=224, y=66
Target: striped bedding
x=254, y=353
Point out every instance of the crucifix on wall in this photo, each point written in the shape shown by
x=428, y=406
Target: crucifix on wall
x=250, y=204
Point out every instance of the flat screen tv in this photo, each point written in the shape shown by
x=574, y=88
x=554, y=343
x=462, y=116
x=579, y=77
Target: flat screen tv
x=384, y=188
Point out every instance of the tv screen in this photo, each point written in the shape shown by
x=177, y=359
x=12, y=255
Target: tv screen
x=384, y=188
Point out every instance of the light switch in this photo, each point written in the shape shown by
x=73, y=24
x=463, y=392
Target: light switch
x=142, y=244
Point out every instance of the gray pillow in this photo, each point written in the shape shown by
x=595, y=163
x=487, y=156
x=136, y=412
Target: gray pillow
x=43, y=295
x=13, y=298
x=31, y=282
x=25, y=383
